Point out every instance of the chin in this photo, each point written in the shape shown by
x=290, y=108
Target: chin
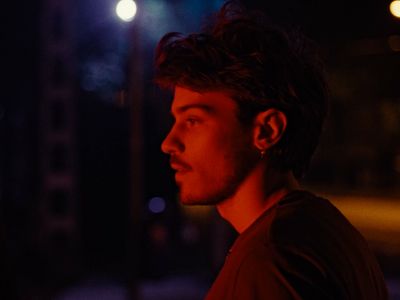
x=193, y=199
x=211, y=192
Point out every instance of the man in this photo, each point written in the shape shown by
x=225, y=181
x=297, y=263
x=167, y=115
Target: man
x=249, y=104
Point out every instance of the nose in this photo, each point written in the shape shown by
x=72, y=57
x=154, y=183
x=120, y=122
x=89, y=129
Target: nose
x=172, y=143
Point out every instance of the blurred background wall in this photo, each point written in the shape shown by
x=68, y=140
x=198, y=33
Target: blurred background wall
x=88, y=204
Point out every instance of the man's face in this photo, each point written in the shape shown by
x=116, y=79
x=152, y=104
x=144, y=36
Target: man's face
x=210, y=151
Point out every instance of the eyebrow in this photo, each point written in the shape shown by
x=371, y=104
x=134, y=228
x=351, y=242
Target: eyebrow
x=204, y=107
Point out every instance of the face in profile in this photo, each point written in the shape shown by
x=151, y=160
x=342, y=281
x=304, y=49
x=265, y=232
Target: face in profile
x=210, y=151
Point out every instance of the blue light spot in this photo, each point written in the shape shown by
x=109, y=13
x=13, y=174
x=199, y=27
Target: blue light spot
x=156, y=205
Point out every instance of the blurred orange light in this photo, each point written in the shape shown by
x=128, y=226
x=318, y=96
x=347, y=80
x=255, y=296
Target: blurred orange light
x=395, y=8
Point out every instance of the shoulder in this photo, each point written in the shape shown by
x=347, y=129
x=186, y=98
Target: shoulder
x=279, y=273
x=303, y=248
x=302, y=218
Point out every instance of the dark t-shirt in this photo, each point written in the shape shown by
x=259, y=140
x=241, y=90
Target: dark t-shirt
x=302, y=248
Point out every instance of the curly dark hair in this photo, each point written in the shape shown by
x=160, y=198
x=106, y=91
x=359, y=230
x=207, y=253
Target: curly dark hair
x=261, y=66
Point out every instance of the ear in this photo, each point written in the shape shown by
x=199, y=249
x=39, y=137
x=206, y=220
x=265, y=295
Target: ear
x=268, y=128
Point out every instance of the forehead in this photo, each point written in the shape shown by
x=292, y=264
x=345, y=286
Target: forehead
x=211, y=101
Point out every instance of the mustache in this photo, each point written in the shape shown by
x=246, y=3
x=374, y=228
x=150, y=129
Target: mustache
x=174, y=161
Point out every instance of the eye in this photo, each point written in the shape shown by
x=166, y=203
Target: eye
x=190, y=121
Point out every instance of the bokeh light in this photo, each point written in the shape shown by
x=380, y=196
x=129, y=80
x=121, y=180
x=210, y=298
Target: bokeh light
x=395, y=8
x=126, y=10
x=156, y=205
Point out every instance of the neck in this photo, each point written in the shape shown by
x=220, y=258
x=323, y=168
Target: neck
x=258, y=192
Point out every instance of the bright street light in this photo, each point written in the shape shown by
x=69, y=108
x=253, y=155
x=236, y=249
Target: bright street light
x=395, y=8
x=126, y=10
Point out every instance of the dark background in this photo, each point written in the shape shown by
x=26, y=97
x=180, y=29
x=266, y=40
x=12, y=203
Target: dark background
x=129, y=236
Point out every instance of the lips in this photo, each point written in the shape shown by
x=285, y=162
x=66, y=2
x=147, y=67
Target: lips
x=178, y=165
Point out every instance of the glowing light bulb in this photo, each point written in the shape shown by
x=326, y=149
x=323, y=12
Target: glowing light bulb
x=395, y=8
x=126, y=10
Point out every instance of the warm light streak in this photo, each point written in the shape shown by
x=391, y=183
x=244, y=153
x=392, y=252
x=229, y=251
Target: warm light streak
x=376, y=217
x=371, y=213
x=197, y=212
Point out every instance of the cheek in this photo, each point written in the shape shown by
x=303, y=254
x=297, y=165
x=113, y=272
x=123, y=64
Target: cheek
x=218, y=154
x=209, y=158
x=217, y=146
